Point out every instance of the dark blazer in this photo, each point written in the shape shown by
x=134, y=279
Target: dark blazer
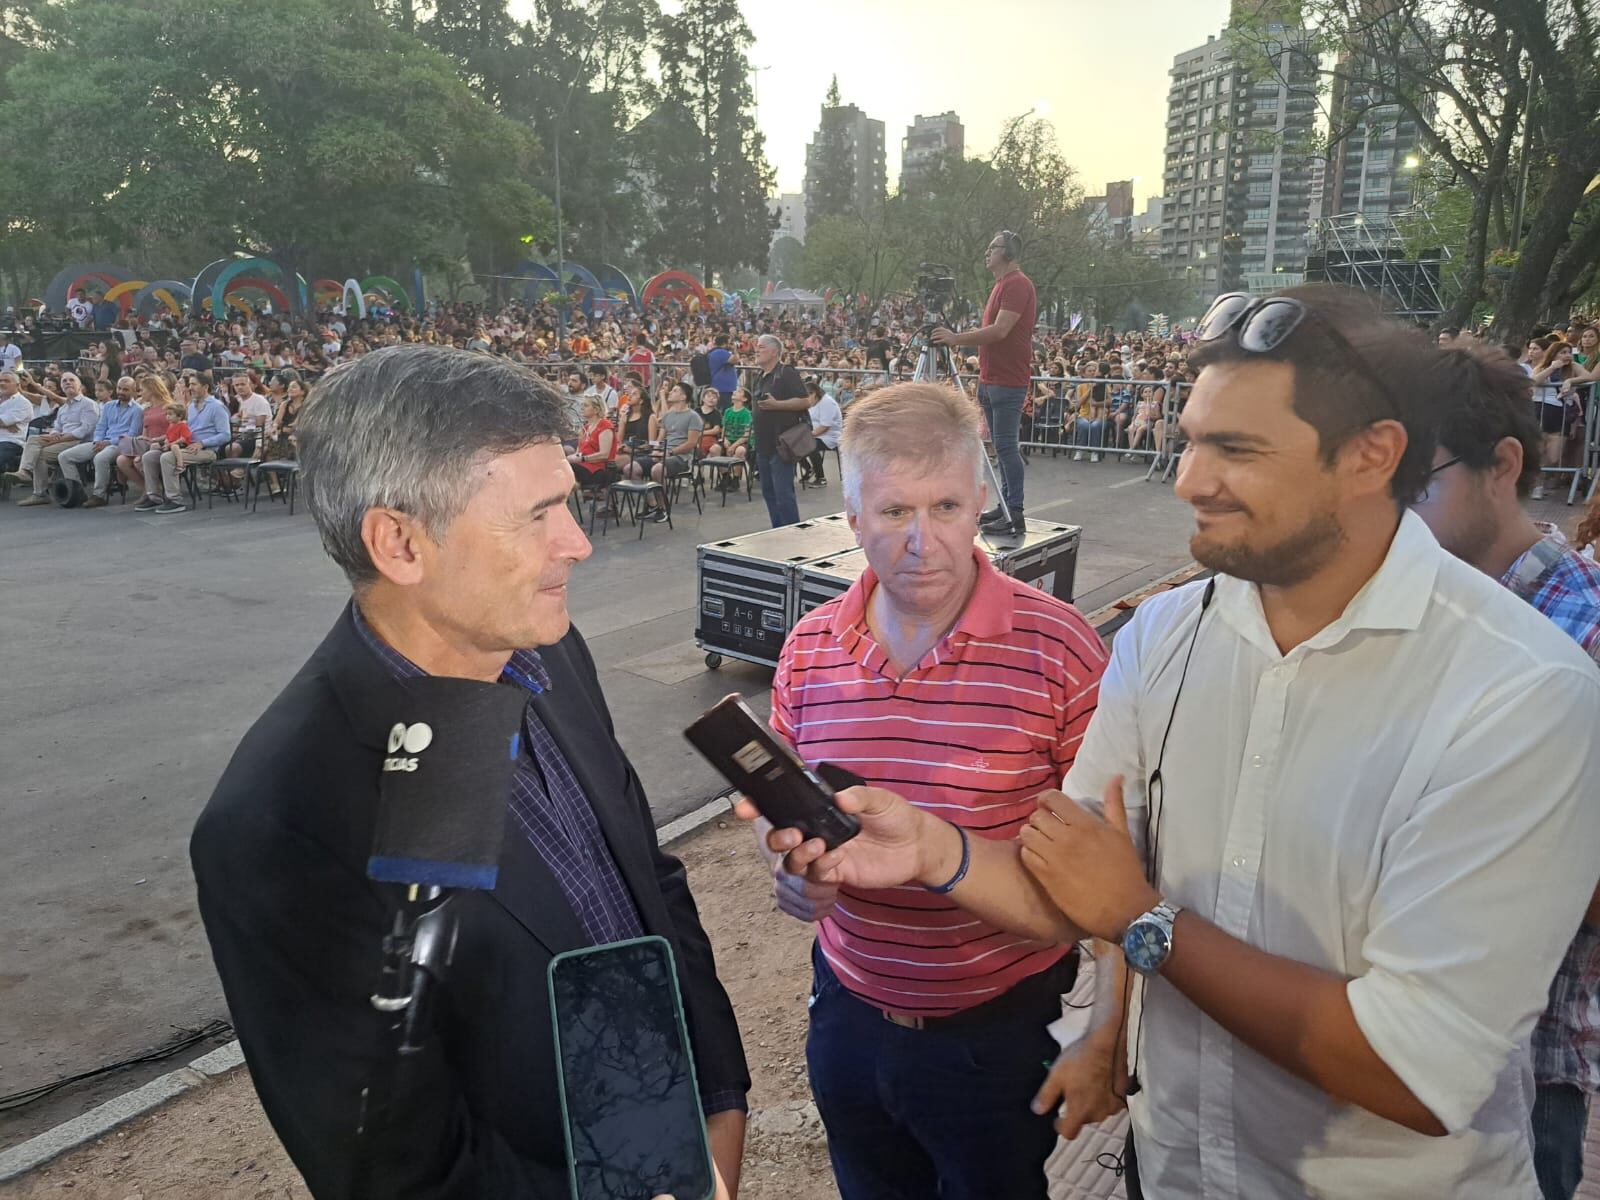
x=296, y=930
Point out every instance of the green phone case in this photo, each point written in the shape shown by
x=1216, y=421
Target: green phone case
x=683, y=1032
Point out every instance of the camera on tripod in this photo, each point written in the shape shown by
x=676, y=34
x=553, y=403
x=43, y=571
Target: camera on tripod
x=936, y=286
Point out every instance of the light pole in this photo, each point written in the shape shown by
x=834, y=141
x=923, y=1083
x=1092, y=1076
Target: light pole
x=561, y=241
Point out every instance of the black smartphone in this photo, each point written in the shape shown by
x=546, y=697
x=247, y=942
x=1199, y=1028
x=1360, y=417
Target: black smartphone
x=788, y=793
x=629, y=1102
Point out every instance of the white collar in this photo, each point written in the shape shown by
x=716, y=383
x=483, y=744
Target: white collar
x=1395, y=598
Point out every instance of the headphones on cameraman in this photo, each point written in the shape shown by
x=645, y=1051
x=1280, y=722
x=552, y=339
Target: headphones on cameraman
x=1010, y=245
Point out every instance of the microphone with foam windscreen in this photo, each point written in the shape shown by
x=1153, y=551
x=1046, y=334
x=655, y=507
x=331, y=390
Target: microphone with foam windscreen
x=447, y=773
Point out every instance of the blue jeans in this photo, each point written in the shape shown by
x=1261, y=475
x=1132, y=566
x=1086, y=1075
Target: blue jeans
x=1002, y=409
x=1560, y=1119
x=1089, y=434
x=777, y=489
x=914, y=1114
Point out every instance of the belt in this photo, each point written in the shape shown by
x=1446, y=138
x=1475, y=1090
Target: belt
x=1035, y=992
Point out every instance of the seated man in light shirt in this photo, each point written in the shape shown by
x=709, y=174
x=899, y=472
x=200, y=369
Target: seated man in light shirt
x=208, y=422
x=1358, y=851
x=119, y=418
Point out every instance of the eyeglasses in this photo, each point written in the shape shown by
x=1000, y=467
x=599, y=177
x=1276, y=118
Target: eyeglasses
x=1261, y=324
x=1448, y=463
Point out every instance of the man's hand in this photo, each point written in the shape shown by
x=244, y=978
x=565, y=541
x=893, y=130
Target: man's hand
x=1089, y=1079
x=1088, y=866
x=99, y=446
x=943, y=337
x=768, y=404
x=796, y=895
x=898, y=843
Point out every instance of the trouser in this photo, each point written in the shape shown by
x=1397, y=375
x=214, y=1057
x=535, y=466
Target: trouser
x=816, y=462
x=1002, y=409
x=1090, y=434
x=48, y=456
x=10, y=455
x=161, y=470
x=777, y=489
x=1560, y=1119
x=104, y=459
x=30, y=453
x=917, y=1113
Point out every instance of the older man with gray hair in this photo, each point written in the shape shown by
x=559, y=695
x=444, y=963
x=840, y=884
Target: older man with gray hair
x=967, y=693
x=73, y=425
x=438, y=482
x=781, y=403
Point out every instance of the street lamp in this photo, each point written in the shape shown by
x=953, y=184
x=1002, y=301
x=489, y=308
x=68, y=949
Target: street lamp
x=561, y=243
x=1412, y=162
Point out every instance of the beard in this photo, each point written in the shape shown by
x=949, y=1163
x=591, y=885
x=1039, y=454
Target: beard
x=1292, y=559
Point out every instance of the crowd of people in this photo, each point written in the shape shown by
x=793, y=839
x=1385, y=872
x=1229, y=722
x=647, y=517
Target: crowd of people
x=1090, y=393
x=1096, y=391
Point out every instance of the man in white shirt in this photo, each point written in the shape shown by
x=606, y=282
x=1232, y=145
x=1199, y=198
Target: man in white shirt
x=1371, y=848
x=16, y=411
x=79, y=308
x=10, y=353
x=1359, y=848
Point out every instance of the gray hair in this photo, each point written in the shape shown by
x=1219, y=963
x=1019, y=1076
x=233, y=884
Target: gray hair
x=928, y=424
x=406, y=427
x=770, y=339
x=13, y=376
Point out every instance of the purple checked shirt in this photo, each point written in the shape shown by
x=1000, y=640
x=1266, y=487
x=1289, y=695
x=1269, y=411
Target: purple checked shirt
x=549, y=805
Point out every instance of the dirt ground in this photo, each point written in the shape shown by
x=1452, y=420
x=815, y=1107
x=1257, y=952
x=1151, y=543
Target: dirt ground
x=214, y=1142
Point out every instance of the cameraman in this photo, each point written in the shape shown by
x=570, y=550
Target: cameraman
x=1005, y=357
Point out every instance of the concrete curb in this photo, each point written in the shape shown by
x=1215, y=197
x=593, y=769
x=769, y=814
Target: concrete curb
x=119, y=1110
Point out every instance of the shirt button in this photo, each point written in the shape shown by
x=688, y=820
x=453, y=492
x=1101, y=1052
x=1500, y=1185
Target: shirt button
x=1240, y=861
x=1256, y=761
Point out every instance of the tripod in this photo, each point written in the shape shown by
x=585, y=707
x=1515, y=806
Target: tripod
x=933, y=360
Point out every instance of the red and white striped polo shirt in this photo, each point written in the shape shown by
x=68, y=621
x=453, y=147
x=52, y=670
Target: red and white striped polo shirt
x=987, y=720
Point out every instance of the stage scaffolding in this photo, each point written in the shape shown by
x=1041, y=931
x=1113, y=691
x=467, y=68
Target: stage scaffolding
x=1369, y=251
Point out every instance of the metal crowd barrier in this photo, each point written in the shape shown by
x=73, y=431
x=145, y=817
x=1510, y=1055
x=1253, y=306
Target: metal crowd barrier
x=1586, y=474
x=1058, y=425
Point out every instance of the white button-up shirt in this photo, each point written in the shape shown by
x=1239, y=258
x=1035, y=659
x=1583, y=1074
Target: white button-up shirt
x=1411, y=799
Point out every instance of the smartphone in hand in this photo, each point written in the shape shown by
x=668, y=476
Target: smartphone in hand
x=786, y=791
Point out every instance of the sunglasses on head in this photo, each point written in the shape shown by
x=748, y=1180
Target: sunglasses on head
x=1260, y=324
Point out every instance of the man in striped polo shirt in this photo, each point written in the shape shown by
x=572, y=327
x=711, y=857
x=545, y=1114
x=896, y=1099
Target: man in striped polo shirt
x=968, y=693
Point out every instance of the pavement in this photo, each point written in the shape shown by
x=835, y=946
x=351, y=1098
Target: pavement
x=140, y=648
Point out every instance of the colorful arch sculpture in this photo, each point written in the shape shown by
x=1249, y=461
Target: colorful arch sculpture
x=170, y=292
x=238, y=267
x=541, y=279
x=390, y=289
x=583, y=287
x=75, y=275
x=254, y=283
x=200, y=289
x=675, y=287
x=124, y=292
x=350, y=295
x=616, y=283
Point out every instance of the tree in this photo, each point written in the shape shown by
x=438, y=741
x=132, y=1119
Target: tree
x=333, y=144
x=786, y=260
x=1491, y=84
x=831, y=166
x=872, y=253
x=704, y=155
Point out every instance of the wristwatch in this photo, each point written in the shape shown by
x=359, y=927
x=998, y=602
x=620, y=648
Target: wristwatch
x=1148, y=941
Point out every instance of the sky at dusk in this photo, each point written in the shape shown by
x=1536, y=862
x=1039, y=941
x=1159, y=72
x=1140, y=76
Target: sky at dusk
x=1097, y=67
